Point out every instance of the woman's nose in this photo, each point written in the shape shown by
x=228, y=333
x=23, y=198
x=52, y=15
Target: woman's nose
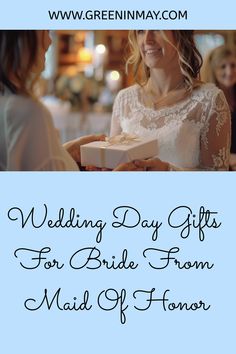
x=229, y=71
x=149, y=36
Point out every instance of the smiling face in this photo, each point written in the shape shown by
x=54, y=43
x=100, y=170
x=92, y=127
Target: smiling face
x=156, y=49
x=225, y=72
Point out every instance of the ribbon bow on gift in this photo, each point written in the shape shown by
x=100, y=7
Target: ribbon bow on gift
x=121, y=139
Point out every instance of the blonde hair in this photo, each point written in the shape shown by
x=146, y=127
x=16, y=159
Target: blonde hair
x=213, y=60
x=190, y=60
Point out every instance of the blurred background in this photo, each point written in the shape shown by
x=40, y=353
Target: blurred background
x=85, y=70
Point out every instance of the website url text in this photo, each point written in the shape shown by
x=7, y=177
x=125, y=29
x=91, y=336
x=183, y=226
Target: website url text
x=114, y=15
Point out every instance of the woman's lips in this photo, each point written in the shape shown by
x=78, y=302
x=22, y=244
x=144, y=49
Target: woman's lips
x=152, y=51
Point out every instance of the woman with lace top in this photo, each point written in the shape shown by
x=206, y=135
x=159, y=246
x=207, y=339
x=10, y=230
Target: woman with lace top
x=190, y=119
x=220, y=68
x=28, y=139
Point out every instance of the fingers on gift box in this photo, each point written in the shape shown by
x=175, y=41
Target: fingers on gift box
x=116, y=150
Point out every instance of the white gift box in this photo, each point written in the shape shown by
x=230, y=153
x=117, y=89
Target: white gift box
x=116, y=150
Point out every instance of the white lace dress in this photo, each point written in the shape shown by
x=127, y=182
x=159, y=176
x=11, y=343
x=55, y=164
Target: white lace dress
x=193, y=134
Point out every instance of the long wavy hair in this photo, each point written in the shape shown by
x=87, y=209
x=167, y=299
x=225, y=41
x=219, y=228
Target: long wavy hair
x=18, y=54
x=190, y=59
x=213, y=60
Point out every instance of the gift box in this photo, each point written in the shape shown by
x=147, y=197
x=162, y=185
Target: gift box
x=116, y=150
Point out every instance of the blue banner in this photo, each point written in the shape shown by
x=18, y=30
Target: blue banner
x=150, y=14
x=117, y=262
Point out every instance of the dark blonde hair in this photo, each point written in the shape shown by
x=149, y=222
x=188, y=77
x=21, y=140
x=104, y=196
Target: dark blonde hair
x=190, y=60
x=213, y=60
x=18, y=54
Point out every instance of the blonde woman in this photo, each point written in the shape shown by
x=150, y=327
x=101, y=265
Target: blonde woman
x=190, y=119
x=28, y=139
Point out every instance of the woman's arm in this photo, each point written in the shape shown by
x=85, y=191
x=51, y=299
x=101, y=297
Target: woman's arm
x=216, y=136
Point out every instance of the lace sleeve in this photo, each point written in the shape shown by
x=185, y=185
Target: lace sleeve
x=215, y=136
x=115, y=120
